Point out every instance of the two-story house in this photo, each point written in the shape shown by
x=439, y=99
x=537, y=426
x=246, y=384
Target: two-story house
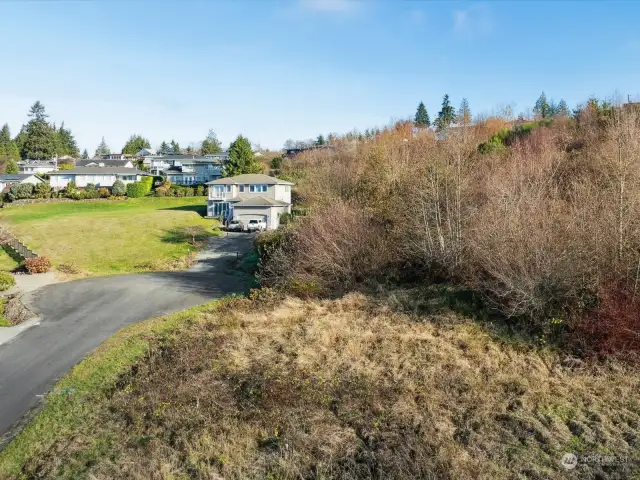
x=248, y=197
x=99, y=162
x=186, y=169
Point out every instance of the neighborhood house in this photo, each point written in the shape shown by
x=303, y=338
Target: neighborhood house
x=10, y=178
x=187, y=169
x=99, y=176
x=37, y=166
x=250, y=197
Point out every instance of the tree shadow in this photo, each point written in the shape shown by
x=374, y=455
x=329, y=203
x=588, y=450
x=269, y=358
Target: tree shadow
x=14, y=256
x=199, y=209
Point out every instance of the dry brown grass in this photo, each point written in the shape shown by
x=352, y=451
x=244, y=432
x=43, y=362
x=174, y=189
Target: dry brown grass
x=349, y=389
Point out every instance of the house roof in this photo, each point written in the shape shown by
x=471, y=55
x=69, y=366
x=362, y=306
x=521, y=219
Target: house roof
x=36, y=162
x=257, y=201
x=16, y=177
x=101, y=170
x=250, y=178
x=106, y=163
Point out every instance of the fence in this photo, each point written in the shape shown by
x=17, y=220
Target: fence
x=8, y=240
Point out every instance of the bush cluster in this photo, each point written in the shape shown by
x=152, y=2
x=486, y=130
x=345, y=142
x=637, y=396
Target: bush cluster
x=546, y=230
x=136, y=190
x=179, y=191
x=6, y=281
x=37, y=264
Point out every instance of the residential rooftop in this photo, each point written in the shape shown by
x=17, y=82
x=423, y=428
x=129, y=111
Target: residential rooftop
x=16, y=177
x=250, y=178
x=100, y=170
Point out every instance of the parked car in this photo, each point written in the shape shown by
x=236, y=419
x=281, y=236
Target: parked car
x=256, y=226
x=235, y=225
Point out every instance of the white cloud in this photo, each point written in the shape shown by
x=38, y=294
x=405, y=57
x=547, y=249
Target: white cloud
x=472, y=22
x=330, y=6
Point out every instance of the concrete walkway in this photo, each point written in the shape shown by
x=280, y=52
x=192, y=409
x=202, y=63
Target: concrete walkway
x=75, y=317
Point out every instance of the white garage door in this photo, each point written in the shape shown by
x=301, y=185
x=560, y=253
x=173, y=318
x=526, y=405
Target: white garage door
x=250, y=216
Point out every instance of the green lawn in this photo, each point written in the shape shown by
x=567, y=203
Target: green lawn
x=7, y=263
x=104, y=238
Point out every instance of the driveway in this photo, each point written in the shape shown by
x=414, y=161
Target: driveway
x=75, y=317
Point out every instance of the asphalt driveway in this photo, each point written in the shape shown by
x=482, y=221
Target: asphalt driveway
x=75, y=317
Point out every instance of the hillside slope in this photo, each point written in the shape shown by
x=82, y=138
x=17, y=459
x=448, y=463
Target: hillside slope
x=350, y=388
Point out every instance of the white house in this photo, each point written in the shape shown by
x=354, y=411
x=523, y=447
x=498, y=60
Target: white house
x=9, y=179
x=187, y=169
x=99, y=176
x=37, y=167
x=248, y=197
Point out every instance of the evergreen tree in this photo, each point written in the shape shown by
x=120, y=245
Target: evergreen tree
x=135, y=144
x=241, y=159
x=446, y=115
x=103, y=149
x=85, y=154
x=8, y=147
x=40, y=138
x=189, y=150
x=562, y=109
x=422, y=119
x=11, y=166
x=211, y=144
x=175, y=147
x=164, y=148
x=464, y=113
x=320, y=140
x=66, y=143
x=542, y=108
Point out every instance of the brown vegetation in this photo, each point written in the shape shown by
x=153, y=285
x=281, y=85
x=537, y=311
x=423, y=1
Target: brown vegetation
x=546, y=229
x=37, y=264
x=346, y=389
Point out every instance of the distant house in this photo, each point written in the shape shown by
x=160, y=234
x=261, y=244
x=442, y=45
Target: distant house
x=9, y=179
x=117, y=156
x=222, y=157
x=98, y=162
x=250, y=197
x=99, y=176
x=145, y=152
x=37, y=166
x=187, y=169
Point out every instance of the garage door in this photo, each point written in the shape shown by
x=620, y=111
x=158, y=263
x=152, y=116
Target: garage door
x=250, y=216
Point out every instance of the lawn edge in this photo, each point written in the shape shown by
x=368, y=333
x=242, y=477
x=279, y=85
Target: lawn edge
x=96, y=373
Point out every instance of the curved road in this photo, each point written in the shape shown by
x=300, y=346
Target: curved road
x=75, y=317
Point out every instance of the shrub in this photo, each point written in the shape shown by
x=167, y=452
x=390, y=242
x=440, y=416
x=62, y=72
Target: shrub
x=19, y=191
x=90, y=191
x=189, y=192
x=137, y=190
x=118, y=189
x=199, y=190
x=69, y=190
x=286, y=218
x=37, y=264
x=275, y=163
x=104, y=192
x=6, y=281
x=42, y=190
x=162, y=191
x=147, y=182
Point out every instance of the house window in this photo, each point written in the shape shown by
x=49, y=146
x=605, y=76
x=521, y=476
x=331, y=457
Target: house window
x=241, y=188
x=258, y=188
x=228, y=188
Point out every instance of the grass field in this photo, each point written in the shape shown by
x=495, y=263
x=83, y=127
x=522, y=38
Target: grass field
x=104, y=238
x=7, y=263
x=342, y=389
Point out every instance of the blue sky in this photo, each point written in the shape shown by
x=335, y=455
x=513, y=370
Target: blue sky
x=294, y=69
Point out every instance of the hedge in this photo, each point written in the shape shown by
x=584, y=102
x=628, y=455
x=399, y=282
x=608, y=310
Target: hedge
x=136, y=190
x=6, y=281
x=148, y=183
